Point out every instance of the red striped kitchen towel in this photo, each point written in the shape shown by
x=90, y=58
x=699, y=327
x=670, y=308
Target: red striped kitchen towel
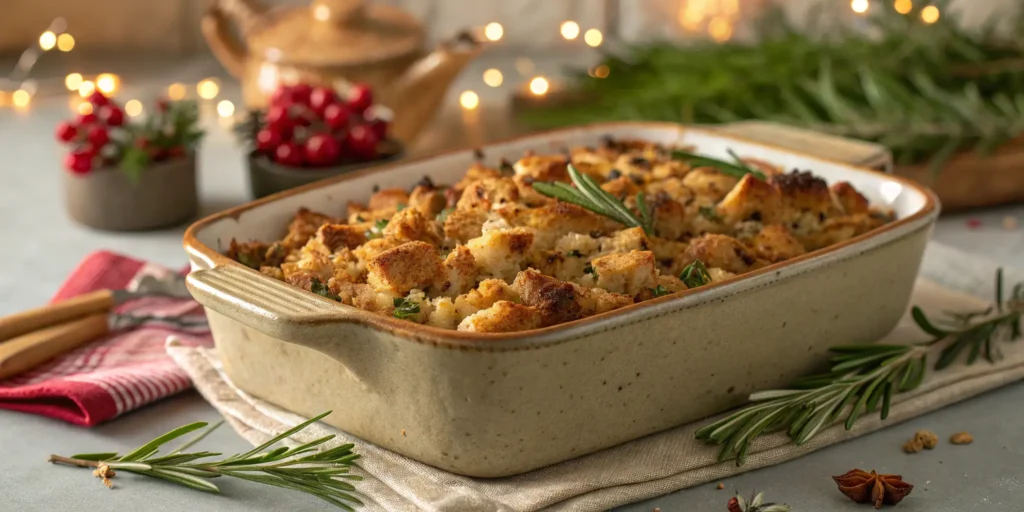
x=114, y=375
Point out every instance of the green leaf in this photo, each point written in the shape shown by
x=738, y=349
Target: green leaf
x=151, y=446
x=708, y=212
x=659, y=291
x=181, y=478
x=731, y=169
x=103, y=456
x=283, y=435
x=922, y=321
x=197, y=438
x=404, y=308
x=695, y=274
x=321, y=289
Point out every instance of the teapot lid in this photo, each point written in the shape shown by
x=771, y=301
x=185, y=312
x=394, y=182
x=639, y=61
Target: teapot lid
x=336, y=32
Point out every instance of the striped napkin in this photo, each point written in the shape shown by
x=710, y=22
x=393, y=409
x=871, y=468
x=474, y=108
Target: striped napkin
x=119, y=373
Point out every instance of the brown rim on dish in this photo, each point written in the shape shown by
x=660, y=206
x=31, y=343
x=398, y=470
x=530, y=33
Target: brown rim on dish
x=547, y=335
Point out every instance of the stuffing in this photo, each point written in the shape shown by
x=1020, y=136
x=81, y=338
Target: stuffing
x=340, y=236
x=410, y=225
x=721, y=251
x=489, y=253
x=626, y=273
x=503, y=316
x=499, y=253
x=555, y=299
x=709, y=182
x=775, y=243
x=410, y=265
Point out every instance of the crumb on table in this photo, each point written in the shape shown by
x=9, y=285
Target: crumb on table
x=961, y=438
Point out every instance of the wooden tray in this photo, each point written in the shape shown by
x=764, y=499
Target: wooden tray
x=969, y=181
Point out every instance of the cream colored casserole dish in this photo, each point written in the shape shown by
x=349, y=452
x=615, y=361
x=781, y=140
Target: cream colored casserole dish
x=488, y=405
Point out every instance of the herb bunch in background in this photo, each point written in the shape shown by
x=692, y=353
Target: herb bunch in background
x=926, y=91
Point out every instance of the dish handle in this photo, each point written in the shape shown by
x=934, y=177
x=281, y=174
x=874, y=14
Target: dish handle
x=270, y=306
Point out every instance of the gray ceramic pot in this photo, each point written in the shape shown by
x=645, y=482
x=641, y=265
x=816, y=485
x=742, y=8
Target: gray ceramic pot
x=108, y=199
x=267, y=177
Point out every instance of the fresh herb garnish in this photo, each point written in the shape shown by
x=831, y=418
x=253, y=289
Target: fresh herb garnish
x=575, y=253
x=660, y=290
x=377, y=230
x=404, y=308
x=737, y=170
x=589, y=269
x=305, y=468
x=695, y=274
x=588, y=194
x=864, y=376
x=443, y=216
x=401, y=206
x=319, y=288
x=708, y=212
x=249, y=260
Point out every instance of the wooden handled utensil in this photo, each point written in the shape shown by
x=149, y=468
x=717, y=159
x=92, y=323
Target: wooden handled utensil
x=35, y=336
x=99, y=301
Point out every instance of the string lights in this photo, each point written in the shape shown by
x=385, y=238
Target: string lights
x=469, y=100
x=903, y=6
x=930, y=14
x=860, y=6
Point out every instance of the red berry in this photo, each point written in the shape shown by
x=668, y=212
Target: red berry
x=267, y=139
x=288, y=153
x=300, y=93
x=336, y=116
x=360, y=98
x=163, y=105
x=98, y=136
x=362, y=142
x=321, y=149
x=157, y=154
x=320, y=98
x=380, y=128
x=112, y=115
x=98, y=99
x=86, y=119
x=78, y=162
x=281, y=96
x=176, y=151
x=66, y=131
x=277, y=117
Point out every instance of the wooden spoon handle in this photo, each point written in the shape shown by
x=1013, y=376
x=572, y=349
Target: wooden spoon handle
x=99, y=301
x=29, y=350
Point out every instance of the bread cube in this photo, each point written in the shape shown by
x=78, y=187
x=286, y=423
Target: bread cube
x=410, y=265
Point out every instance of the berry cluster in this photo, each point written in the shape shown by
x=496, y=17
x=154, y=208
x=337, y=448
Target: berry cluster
x=103, y=137
x=306, y=126
x=89, y=134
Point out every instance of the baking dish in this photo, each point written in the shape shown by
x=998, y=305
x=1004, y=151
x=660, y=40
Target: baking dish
x=490, y=405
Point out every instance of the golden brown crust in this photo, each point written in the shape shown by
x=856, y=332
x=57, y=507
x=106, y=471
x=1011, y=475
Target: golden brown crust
x=491, y=254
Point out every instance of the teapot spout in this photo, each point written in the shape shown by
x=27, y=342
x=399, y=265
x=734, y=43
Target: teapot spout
x=419, y=93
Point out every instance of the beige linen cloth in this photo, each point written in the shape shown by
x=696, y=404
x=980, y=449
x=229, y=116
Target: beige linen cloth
x=657, y=464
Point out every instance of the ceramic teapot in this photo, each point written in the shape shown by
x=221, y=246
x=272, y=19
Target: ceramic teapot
x=337, y=42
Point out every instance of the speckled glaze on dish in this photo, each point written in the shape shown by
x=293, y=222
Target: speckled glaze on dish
x=492, y=405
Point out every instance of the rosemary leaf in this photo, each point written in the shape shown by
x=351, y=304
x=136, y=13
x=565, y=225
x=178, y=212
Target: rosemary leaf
x=589, y=195
x=737, y=171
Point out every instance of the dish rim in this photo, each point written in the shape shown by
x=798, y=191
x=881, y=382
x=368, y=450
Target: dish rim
x=566, y=331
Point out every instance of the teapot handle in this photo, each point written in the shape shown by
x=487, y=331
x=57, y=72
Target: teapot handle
x=216, y=26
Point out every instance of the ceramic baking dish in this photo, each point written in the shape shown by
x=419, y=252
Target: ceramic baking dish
x=491, y=405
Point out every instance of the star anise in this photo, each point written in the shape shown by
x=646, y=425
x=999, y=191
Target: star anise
x=864, y=487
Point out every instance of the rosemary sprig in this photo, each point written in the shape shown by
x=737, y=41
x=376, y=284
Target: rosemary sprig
x=588, y=194
x=695, y=274
x=864, y=377
x=738, y=170
x=304, y=468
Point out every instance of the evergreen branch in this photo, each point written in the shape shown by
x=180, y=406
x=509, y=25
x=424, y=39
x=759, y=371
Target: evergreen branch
x=301, y=468
x=864, y=377
x=925, y=91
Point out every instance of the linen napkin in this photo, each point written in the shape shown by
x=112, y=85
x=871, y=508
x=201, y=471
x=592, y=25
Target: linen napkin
x=659, y=463
x=119, y=373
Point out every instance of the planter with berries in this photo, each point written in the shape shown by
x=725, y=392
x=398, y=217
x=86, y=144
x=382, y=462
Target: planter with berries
x=309, y=133
x=123, y=175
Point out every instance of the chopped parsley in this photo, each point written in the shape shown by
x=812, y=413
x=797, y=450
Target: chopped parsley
x=319, y=288
x=377, y=230
x=589, y=269
x=443, y=216
x=401, y=206
x=404, y=308
x=575, y=253
x=708, y=212
x=660, y=290
x=695, y=274
x=249, y=260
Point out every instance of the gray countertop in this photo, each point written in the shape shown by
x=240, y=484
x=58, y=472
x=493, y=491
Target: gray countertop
x=41, y=246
